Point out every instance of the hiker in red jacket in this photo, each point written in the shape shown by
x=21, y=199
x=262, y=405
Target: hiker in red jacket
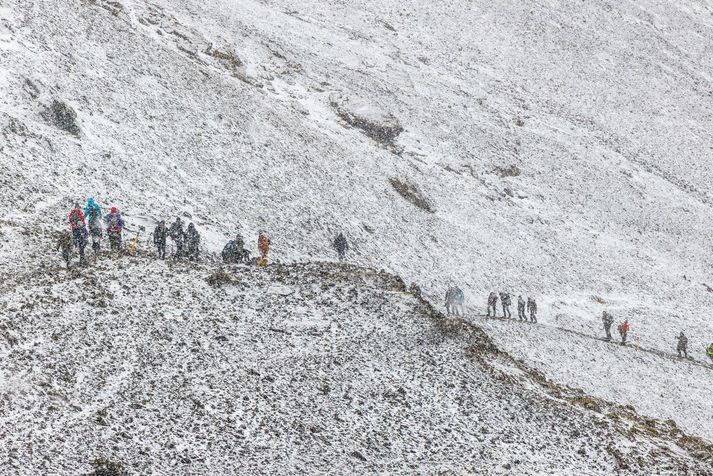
x=79, y=230
x=623, y=329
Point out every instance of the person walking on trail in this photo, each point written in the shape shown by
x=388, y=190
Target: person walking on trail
x=341, y=245
x=178, y=236
x=682, y=345
x=193, y=240
x=114, y=228
x=160, y=234
x=235, y=252
x=64, y=243
x=521, y=309
x=709, y=351
x=454, y=301
x=492, y=303
x=623, y=329
x=263, y=245
x=505, y=300
x=532, y=308
x=607, y=320
x=93, y=214
x=79, y=230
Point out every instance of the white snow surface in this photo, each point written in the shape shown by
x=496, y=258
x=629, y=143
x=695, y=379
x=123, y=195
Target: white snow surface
x=222, y=112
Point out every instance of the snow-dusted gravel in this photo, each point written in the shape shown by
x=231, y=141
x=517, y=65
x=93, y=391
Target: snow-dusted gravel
x=561, y=149
x=282, y=370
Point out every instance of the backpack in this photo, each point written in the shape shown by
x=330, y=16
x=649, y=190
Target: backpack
x=75, y=219
x=114, y=224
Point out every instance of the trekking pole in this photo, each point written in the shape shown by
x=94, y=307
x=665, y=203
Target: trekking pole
x=135, y=243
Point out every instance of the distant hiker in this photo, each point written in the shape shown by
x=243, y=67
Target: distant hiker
x=79, y=230
x=93, y=214
x=160, y=234
x=505, y=300
x=521, y=308
x=114, y=227
x=623, y=329
x=532, y=308
x=263, y=245
x=492, y=303
x=454, y=301
x=193, y=240
x=607, y=320
x=341, y=245
x=178, y=236
x=64, y=243
x=235, y=252
x=682, y=345
x=709, y=351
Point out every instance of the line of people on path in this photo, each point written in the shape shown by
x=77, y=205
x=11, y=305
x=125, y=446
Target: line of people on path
x=624, y=328
x=506, y=302
x=89, y=222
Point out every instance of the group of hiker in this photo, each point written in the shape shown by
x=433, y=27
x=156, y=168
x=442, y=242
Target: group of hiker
x=625, y=327
x=506, y=301
x=187, y=243
x=89, y=222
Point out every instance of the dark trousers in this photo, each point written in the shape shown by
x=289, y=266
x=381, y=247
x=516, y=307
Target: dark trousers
x=81, y=242
x=521, y=313
x=506, y=311
x=607, y=329
x=66, y=256
x=685, y=353
x=533, y=317
x=161, y=247
x=623, y=338
x=492, y=306
x=115, y=241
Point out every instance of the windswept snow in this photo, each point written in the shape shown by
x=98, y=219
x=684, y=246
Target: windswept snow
x=228, y=114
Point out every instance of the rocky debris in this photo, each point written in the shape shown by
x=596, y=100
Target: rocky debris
x=509, y=171
x=412, y=194
x=383, y=127
x=62, y=116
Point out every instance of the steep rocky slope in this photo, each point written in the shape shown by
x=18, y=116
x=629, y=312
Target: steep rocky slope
x=551, y=148
x=155, y=368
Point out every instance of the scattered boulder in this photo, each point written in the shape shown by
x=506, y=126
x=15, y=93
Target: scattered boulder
x=510, y=171
x=103, y=467
x=412, y=194
x=61, y=115
x=381, y=126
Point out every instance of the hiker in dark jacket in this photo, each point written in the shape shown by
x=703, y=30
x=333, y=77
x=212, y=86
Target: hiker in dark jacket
x=521, y=308
x=94, y=219
x=341, y=245
x=193, y=240
x=505, y=300
x=64, y=243
x=682, y=345
x=492, y=303
x=178, y=236
x=235, y=252
x=160, y=234
x=607, y=320
x=532, y=308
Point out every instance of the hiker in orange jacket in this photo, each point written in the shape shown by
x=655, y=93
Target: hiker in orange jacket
x=263, y=244
x=624, y=329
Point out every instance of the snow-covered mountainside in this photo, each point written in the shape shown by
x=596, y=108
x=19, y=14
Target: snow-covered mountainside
x=151, y=367
x=555, y=149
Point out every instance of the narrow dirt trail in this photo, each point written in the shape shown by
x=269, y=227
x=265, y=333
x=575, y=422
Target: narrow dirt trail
x=638, y=348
